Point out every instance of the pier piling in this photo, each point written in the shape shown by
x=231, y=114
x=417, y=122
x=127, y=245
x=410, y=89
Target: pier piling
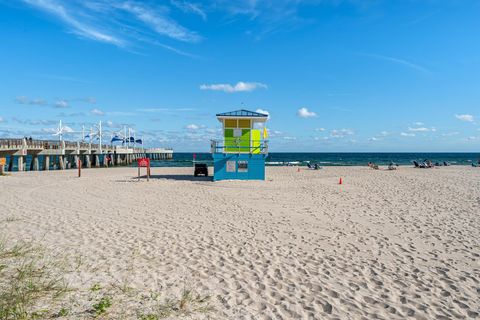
x=10, y=164
x=20, y=163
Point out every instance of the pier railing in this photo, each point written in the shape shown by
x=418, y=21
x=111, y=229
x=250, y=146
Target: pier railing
x=68, y=154
x=34, y=145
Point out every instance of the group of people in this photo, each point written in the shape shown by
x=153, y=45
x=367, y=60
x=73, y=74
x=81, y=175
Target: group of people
x=429, y=164
x=392, y=166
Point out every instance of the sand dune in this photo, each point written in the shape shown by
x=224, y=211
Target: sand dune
x=385, y=244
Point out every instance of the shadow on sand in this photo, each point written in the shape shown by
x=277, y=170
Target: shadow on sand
x=178, y=177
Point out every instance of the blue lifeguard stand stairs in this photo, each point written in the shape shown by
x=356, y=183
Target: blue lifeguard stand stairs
x=242, y=153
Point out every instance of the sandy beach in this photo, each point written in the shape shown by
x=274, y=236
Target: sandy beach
x=384, y=245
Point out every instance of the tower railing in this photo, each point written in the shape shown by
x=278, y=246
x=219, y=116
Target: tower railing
x=254, y=147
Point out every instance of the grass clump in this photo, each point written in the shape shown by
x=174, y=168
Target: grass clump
x=102, y=305
x=27, y=279
x=188, y=303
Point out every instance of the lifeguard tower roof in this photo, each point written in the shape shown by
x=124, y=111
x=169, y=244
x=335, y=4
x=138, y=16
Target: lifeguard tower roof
x=242, y=114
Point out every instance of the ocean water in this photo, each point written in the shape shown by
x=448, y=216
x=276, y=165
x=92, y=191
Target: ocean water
x=183, y=159
x=332, y=159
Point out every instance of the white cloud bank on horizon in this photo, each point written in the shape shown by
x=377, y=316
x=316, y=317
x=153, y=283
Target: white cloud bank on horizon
x=239, y=87
x=305, y=113
x=465, y=117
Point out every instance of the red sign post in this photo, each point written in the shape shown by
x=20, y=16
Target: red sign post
x=145, y=163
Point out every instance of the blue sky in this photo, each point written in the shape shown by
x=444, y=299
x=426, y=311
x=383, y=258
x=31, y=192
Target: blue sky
x=334, y=75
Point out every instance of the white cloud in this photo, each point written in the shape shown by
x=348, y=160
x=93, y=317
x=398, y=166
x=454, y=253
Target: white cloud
x=422, y=129
x=61, y=104
x=384, y=133
x=193, y=127
x=97, y=112
x=465, y=117
x=449, y=134
x=289, y=138
x=1, y=120
x=400, y=62
x=404, y=134
x=319, y=129
x=67, y=129
x=341, y=133
x=264, y=112
x=189, y=7
x=373, y=139
x=78, y=27
x=161, y=24
x=239, y=87
x=305, y=113
x=418, y=124
x=28, y=101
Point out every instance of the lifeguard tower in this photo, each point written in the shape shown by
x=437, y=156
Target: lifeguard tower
x=242, y=153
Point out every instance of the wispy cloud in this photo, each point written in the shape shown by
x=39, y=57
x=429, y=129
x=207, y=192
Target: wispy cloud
x=34, y=122
x=239, y=87
x=405, y=134
x=450, y=134
x=399, y=61
x=422, y=129
x=160, y=23
x=341, y=133
x=190, y=7
x=305, y=113
x=80, y=28
x=33, y=102
x=124, y=24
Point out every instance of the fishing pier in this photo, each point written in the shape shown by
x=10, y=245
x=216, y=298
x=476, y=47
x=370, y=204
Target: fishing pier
x=48, y=154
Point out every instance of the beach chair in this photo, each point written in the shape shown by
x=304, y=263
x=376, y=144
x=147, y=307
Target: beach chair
x=422, y=165
x=200, y=168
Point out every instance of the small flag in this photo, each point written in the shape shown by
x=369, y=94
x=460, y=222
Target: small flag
x=265, y=133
